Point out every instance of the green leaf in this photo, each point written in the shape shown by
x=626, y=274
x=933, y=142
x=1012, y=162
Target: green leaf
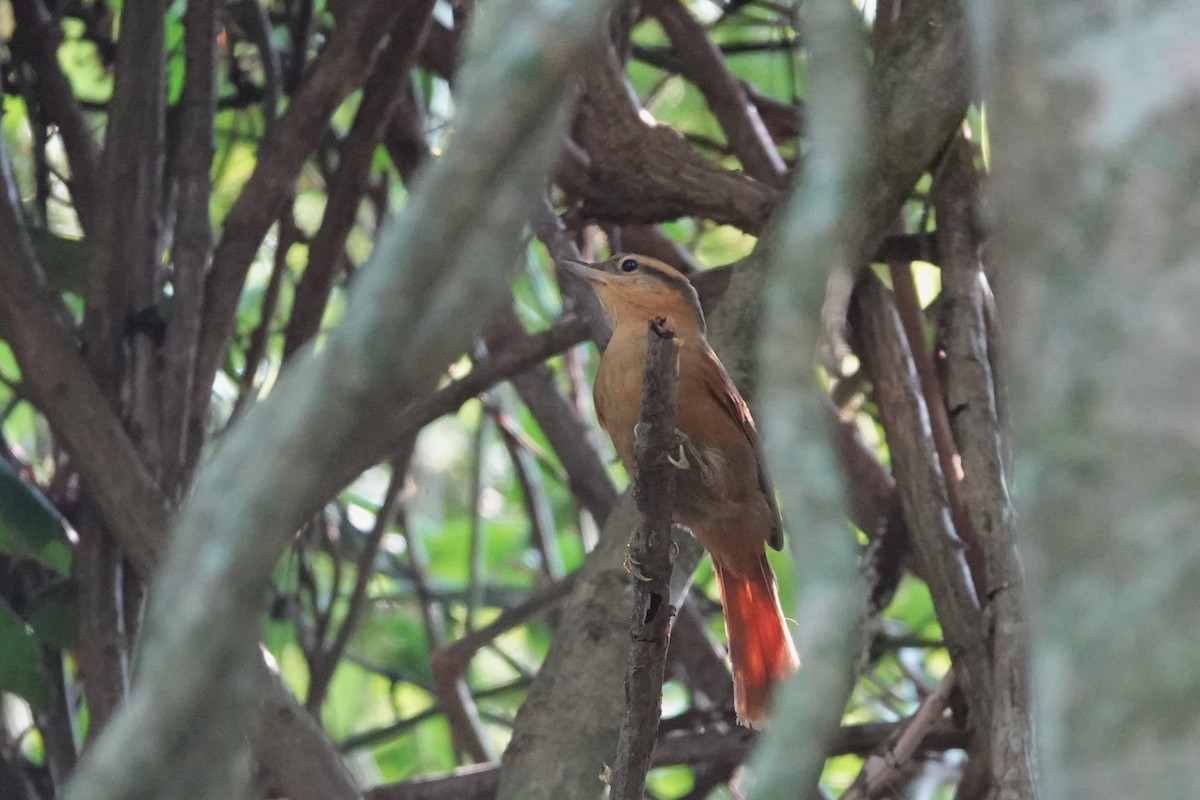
x=21, y=668
x=51, y=615
x=29, y=526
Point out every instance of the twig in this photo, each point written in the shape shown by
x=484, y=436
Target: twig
x=882, y=768
x=260, y=337
x=533, y=491
x=458, y=654
x=321, y=672
x=650, y=561
x=475, y=549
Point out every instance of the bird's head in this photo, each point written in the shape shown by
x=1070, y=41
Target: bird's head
x=637, y=288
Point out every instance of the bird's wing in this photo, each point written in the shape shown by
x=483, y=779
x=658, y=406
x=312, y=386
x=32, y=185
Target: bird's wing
x=718, y=382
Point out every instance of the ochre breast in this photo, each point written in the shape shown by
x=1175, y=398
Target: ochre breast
x=618, y=390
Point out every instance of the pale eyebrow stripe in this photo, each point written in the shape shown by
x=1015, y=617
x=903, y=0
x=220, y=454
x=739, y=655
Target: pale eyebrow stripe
x=680, y=282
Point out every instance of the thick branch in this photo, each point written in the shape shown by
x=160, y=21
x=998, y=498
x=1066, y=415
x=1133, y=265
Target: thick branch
x=642, y=174
x=971, y=396
x=884, y=350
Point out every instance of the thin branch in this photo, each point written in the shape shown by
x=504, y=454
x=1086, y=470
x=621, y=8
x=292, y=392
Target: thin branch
x=192, y=240
x=382, y=95
x=456, y=655
x=260, y=337
x=726, y=98
x=650, y=562
x=35, y=40
x=336, y=72
x=450, y=686
x=529, y=477
x=364, y=570
x=882, y=768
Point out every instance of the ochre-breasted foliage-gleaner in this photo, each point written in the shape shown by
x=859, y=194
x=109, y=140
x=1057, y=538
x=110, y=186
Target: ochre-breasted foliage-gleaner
x=723, y=494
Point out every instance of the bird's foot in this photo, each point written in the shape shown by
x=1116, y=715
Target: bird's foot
x=673, y=551
x=682, y=439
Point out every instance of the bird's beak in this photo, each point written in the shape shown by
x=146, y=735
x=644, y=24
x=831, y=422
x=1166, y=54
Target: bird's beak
x=585, y=270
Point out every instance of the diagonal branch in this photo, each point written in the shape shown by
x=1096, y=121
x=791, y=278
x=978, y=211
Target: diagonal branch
x=382, y=95
x=726, y=96
x=337, y=71
x=641, y=173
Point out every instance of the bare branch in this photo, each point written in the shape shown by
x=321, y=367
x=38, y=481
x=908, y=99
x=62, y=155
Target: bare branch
x=339, y=69
x=971, y=394
x=884, y=350
x=882, y=769
x=382, y=95
x=727, y=98
x=650, y=562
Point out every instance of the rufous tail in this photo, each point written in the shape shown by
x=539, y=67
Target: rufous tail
x=760, y=646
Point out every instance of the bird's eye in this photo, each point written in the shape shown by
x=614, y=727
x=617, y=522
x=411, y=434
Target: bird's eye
x=629, y=265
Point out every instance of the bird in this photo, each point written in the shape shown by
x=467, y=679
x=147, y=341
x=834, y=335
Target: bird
x=723, y=493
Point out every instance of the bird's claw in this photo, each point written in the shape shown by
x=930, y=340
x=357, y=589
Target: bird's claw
x=673, y=551
x=681, y=462
x=633, y=567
